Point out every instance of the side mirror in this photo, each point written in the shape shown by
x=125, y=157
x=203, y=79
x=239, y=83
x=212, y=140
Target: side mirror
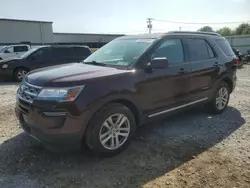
x=6, y=52
x=158, y=63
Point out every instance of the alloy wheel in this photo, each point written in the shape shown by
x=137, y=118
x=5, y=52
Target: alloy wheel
x=21, y=74
x=114, y=131
x=222, y=98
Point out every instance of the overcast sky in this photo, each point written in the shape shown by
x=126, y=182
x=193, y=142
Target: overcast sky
x=126, y=16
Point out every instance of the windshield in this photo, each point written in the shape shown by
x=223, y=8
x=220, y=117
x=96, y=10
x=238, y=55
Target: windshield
x=29, y=52
x=123, y=52
x=2, y=49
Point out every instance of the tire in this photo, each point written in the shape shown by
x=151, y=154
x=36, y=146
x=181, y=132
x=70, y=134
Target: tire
x=214, y=103
x=20, y=73
x=98, y=127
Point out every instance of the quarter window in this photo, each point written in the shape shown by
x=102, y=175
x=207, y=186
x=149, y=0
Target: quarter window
x=225, y=47
x=210, y=51
x=170, y=49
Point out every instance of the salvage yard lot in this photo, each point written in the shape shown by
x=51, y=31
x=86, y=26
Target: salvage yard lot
x=191, y=149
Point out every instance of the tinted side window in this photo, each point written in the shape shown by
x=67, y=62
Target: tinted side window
x=224, y=45
x=61, y=52
x=81, y=51
x=172, y=50
x=197, y=49
x=20, y=48
x=41, y=54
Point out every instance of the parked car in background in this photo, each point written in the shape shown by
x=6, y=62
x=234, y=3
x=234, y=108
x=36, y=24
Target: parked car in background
x=240, y=57
x=40, y=57
x=11, y=51
x=246, y=58
x=124, y=84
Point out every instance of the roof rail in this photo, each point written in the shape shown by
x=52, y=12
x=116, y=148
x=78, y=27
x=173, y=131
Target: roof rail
x=196, y=32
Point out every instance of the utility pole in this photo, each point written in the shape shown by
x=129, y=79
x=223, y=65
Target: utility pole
x=149, y=21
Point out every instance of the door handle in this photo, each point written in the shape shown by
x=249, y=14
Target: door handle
x=183, y=71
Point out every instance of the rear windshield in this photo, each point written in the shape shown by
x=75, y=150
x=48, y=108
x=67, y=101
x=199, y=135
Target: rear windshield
x=225, y=47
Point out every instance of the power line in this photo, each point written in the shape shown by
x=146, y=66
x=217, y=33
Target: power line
x=200, y=23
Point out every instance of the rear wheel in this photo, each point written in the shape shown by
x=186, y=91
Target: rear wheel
x=20, y=73
x=220, y=100
x=110, y=130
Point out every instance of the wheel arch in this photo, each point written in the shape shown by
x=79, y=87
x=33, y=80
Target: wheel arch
x=229, y=82
x=131, y=106
x=21, y=67
x=119, y=100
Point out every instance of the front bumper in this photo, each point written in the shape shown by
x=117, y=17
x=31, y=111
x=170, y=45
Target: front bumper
x=57, y=130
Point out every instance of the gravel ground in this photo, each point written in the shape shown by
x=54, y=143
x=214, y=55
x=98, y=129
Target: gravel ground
x=192, y=149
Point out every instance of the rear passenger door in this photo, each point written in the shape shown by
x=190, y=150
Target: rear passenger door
x=204, y=68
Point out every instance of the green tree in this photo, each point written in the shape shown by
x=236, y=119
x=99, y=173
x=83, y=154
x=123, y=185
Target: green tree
x=225, y=31
x=243, y=29
x=206, y=29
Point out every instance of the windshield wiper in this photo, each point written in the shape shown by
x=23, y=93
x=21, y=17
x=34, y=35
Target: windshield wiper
x=95, y=63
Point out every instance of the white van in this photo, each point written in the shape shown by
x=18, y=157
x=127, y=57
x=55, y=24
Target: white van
x=11, y=51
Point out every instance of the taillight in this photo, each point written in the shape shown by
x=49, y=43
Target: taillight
x=236, y=61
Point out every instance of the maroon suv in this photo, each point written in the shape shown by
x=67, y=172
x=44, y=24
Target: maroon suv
x=126, y=83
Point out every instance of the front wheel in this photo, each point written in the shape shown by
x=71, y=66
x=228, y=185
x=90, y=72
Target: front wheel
x=20, y=73
x=220, y=100
x=110, y=130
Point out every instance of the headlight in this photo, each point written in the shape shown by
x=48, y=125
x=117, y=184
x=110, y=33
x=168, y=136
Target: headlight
x=5, y=66
x=60, y=94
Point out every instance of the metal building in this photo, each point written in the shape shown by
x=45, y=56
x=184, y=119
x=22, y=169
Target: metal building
x=240, y=42
x=18, y=31
x=14, y=31
x=91, y=40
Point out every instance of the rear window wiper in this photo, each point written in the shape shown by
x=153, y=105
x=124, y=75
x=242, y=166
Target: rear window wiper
x=95, y=63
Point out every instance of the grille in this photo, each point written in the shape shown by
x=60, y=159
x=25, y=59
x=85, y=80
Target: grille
x=28, y=92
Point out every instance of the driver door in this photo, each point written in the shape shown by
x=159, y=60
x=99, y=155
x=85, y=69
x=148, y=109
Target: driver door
x=166, y=88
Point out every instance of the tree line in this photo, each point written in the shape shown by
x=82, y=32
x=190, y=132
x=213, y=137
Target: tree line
x=242, y=29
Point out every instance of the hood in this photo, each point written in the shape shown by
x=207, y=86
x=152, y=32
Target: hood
x=68, y=75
